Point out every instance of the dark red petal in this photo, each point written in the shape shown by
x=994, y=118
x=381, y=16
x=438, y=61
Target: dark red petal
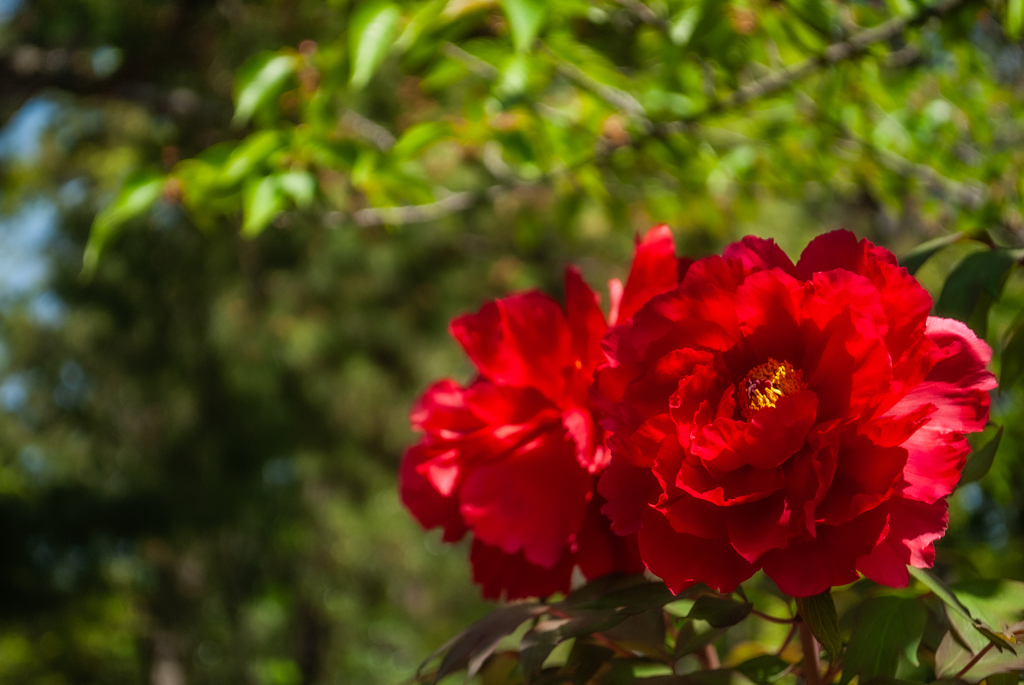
x=682, y=560
x=522, y=340
x=655, y=270
x=809, y=567
x=866, y=475
x=758, y=254
x=913, y=529
x=758, y=527
x=423, y=500
x=586, y=322
x=514, y=577
x=769, y=438
x=628, y=490
x=531, y=500
x=809, y=475
x=745, y=484
x=599, y=551
x=693, y=516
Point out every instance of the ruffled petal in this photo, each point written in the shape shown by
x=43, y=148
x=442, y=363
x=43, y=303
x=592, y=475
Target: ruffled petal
x=759, y=254
x=522, y=340
x=682, y=560
x=532, y=500
x=913, y=529
x=809, y=567
x=429, y=506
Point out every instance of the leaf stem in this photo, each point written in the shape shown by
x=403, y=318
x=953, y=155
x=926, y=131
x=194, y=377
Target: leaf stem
x=773, y=619
x=812, y=656
x=976, y=659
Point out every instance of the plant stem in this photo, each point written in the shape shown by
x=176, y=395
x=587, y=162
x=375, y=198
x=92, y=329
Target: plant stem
x=812, y=657
x=708, y=658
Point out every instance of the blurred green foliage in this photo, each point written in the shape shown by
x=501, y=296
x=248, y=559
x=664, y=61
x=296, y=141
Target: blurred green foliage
x=233, y=233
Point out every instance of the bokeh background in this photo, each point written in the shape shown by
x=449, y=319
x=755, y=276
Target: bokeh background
x=232, y=233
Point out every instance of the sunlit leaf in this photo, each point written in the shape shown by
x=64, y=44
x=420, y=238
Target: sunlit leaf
x=261, y=80
x=886, y=629
x=913, y=260
x=136, y=197
x=720, y=612
x=1014, y=19
x=300, y=186
x=525, y=18
x=763, y=670
x=262, y=201
x=372, y=33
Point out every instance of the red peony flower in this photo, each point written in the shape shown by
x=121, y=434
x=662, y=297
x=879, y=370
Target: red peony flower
x=808, y=420
x=514, y=456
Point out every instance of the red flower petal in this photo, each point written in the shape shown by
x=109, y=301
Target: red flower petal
x=586, y=322
x=757, y=254
x=809, y=567
x=655, y=270
x=514, y=577
x=522, y=340
x=599, y=551
x=682, y=560
x=532, y=500
x=913, y=528
x=628, y=490
x=430, y=507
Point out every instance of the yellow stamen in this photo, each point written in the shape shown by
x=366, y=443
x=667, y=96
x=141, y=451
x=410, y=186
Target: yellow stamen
x=766, y=384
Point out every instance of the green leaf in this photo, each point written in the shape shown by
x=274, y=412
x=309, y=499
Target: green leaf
x=418, y=138
x=763, y=670
x=1011, y=366
x=373, y=31
x=952, y=657
x=261, y=80
x=819, y=613
x=300, y=186
x=694, y=635
x=720, y=612
x=941, y=591
x=473, y=645
x=525, y=18
x=632, y=600
x=978, y=273
x=980, y=460
x=815, y=13
x=136, y=197
x=886, y=629
x=1014, y=19
x=913, y=260
x=248, y=156
x=262, y=201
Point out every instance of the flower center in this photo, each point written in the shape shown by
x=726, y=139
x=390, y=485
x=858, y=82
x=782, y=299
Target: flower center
x=766, y=384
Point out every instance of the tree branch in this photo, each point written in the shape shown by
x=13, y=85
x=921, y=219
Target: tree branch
x=414, y=214
x=846, y=49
